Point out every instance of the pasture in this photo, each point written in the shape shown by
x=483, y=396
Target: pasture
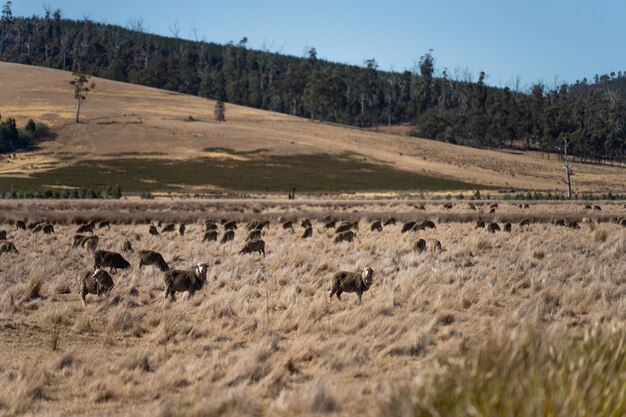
x=529, y=321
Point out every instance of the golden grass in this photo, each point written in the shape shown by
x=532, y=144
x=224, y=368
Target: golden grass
x=123, y=120
x=262, y=337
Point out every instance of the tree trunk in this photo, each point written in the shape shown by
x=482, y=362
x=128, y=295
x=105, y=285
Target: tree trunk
x=78, y=111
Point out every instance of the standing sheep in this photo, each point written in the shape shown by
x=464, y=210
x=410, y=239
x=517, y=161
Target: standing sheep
x=288, y=225
x=407, y=227
x=20, y=225
x=357, y=282
x=126, y=246
x=111, y=260
x=8, y=247
x=181, y=230
x=210, y=236
x=85, y=228
x=47, y=229
x=149, y=257
x=330, y=224
x=376, y=226
x=254, y=246
x=253, y=235
x=103, y=224
x=308, y=232
x=389, y=222
x=153, y=230
x=97, y=283
x=305, y=223
x=3, y=235
x=181, y=281
x=229, y=236
x=232, y=225
x=507, y=227
x=168, y=228
x=347, y=236
x=493, y=227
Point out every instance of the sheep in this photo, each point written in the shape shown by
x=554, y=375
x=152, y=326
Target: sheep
x=347, y=236
x=126, y=246
x=253, y=235
x=78, y=240
x=447, y=206
x=524, y=222
x=232, y=225
x=181, y=281
x=97, y=283
x=308, y=232
x=305, y=223
x=210, y=236
x=559, y=222
x=38, y=227
x=493, y=227
x=390, y=221
x=149, y=257
x=103, y=224
x=181, y=230
x=471, y=206
x=419, y=246
x=493, y=206
x=507, y=227
x=357, y=282
x=228, y=236
x=407, y=227
x=90, y=243
x=597, y=208
x=588, y=207
x=153, y=230
x=210, y=226
x=168, y=228
x=3, y=235
x=428, y=224
x=257, y=225
x=33, y=225
x=480, y=224
x=8, y=247
x=111, y=260
x=85, y=228
x=20, y=225
x=492, y=211
x=376, y=225
x=330, y=224
x=288, y=225
x=254, y=246
x=572, y=224
x=432, y=245
x=47, y=229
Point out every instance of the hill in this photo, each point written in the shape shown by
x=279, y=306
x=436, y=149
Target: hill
x=150, y=139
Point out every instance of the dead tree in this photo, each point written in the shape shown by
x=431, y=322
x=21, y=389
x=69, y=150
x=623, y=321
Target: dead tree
x=565, y=163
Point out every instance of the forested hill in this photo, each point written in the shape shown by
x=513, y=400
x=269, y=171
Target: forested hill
x=591, y=116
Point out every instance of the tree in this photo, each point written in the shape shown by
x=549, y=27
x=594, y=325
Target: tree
x=81, y=87
x=220, y=111
x=7, y=13
x=565, y=163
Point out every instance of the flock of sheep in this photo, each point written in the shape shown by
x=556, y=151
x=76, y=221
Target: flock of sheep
x=98, y=281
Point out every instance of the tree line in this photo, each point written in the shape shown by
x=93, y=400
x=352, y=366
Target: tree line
x=588, y=114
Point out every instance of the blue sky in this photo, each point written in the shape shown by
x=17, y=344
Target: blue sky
x=534, y=40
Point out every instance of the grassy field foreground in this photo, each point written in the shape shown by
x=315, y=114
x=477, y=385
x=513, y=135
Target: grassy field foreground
x=527, y=323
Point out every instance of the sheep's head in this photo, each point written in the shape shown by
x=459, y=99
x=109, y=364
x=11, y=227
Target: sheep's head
x=201, y=270
x=367, y=275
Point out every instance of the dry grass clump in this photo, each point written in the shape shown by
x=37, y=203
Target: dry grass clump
x=526, y=374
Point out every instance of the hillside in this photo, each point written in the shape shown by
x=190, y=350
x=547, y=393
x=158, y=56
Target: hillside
x=130, y=130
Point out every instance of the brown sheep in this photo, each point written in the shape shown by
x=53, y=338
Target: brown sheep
x=97, y=283
x=376, y=226
x=32, y=226
x=20, y=225
x=153, y=230
x=493, y=227
x=181, y=230
x=308, y=232
x=432, y=245
x=210, y=236
x=389, y=222
x=152, y=258
x=47, y=229
x=232, y=225
x=331, y=224
x=598, y=208
x=90, y=243
x=288, y=225
x=407, y=227
x=480, y=224
x=428, y=224
x=7, y=247
x=254, y=235
x=254, y=246
x=358, y=282
x=228, y=237
x=103, y=224
x=111, y=260
x=78, y=240
x=306, y=223
x=181, y=281
x=168, y=228
x=210, y=226
x=347, y=236
x=126, y=246
x=524, y=222
x=471, y=206
x=507, y=227
x=345, y=226
x=419, y=246
x=572, y=224
x=3, y=235
x=447, y=206
x=85, y=228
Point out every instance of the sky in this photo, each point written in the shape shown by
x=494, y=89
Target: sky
x=549, y=41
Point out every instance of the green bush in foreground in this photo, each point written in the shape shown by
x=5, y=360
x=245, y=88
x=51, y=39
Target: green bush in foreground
x=526, y=376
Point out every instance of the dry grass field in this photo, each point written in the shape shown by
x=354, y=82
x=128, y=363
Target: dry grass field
x=125, y=122
x=524, y=323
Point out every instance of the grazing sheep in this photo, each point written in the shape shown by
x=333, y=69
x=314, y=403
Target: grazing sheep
x=432, y=245
x=347, y=236
x=126, y=246
x=152, y=258
x=210, y=226
x=493, y=227
x=598, y=208
x=407, y=227
x=447, y=206
x=210, y=236
x=168, y=228
x=524, y=222
x=228, y=236
x=33, y=225
x=47, y=229
x=288, y=225
x=20, y=225
x=330, y=224
x=428, y=224
x=419, y=246
x=391, y=221
x=418, y=226
x=526, y=206
x=7, y=247
x=153, y=230
x=103, y=224
x=181, y=281
x=85, y=228
x=257, y=225
x=232, y=225
x=588, y=207
x=111, y=260
x=507, y=227
x=78, y=240
x=3, y=235
x=90, y=243
x=572, y=224
x=253, y=235
x=97, y=283
x=254, y=246
x=480, y=224
x=376, y=226
x=305, y=223
x=181, y=230
x=492, y=211
x=493, y=206
x=38, y=227
x=471, y=206
x=559, y=222
x=357, y=282
x=308, y=232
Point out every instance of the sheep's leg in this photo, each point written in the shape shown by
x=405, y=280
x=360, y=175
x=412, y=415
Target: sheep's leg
x=83, y=293
x=359, y=294
x=339, y=295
